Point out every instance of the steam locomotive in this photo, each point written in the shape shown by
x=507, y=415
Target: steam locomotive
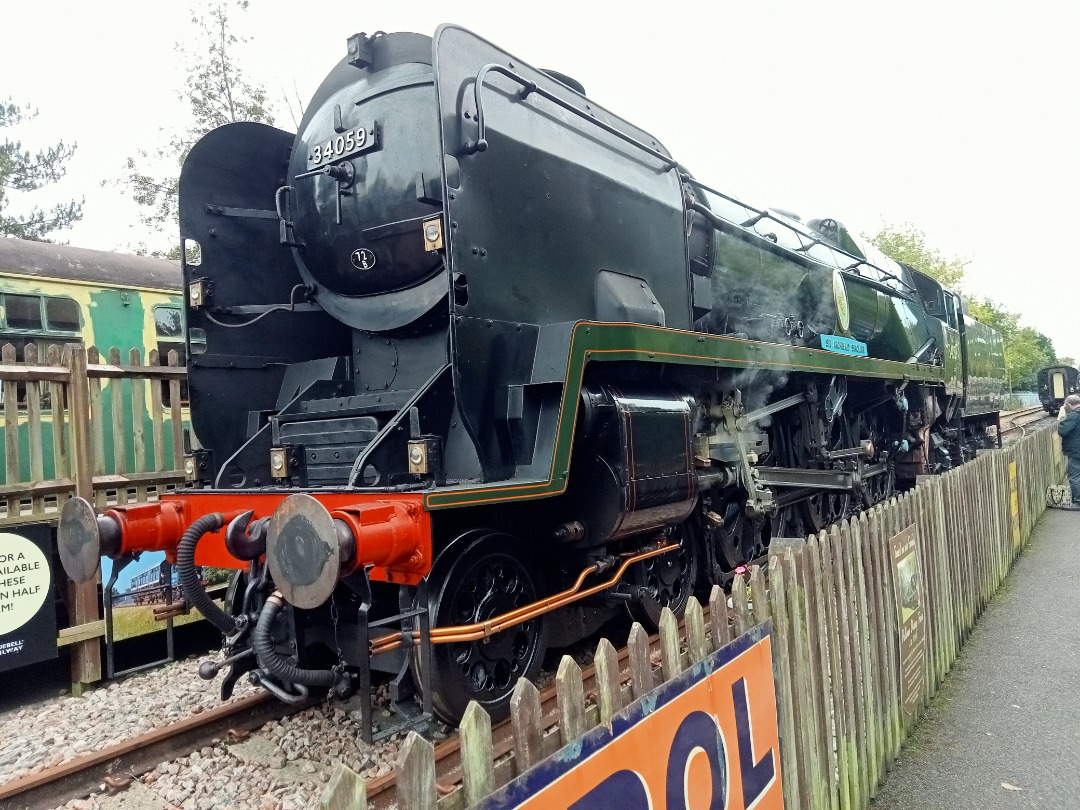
x=477, y=365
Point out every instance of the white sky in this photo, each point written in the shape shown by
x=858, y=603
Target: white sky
x=958, y=117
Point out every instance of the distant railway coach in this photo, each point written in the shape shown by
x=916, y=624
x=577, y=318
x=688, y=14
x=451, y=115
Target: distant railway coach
x=52, y=295
x=1054, y=384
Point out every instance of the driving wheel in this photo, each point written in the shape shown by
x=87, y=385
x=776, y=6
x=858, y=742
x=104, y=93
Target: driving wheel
x=471, y=583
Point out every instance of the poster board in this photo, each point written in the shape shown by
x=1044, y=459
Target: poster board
x=27, y=603
x=911, y=618
x=707, y=738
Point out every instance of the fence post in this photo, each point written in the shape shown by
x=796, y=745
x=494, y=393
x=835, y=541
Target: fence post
x=820, y=644
x=477, y=768
x=849, y=537
x=875, y=667
x=570, y=695
x=784, y=663
x=697, y=647
x=416, y=776
x=528, y=725
x=811, y=771
x=722, y=632
x=641, y=674
x=841, y=666
x=608, y=687
x=82, y=599
x=347, y=790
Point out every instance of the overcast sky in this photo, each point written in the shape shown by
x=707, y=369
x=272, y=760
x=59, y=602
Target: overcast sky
x=958, y=117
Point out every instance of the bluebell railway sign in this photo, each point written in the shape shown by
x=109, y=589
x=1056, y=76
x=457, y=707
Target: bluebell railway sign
x=708, y=738
x=27, y=607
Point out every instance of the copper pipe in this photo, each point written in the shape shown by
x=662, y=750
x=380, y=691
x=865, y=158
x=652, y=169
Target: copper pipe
x=479, y=630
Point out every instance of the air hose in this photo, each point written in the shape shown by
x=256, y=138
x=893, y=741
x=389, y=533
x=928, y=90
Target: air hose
x=194, y=592
x=275, y=663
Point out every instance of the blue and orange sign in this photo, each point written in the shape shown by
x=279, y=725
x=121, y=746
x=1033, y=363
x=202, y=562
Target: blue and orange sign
x=706, y=739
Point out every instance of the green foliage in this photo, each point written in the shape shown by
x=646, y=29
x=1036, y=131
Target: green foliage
x=1026, y=350
x=1067, y=361
x=22, y=171
x=217, y=576
x=908, y=246
x=217, y=93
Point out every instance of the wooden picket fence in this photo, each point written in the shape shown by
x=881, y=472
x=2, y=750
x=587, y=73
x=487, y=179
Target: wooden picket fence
x=832, y=600
x=81, y=427
x=135, y=440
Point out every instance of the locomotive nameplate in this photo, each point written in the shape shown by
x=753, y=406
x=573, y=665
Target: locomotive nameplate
x=354, y=142
x=843, y=345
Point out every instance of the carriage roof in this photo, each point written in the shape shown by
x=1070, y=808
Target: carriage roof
x=46, y=260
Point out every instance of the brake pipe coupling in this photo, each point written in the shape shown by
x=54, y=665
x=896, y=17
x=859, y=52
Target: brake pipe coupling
x=309, y=548
x=83, y=537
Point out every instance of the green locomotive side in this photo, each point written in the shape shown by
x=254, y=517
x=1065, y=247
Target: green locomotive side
x=53, y=295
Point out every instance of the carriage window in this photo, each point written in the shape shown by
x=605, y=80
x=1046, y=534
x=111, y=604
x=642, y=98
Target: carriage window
x=169, y=323
x=62, y=315
x=23, y=311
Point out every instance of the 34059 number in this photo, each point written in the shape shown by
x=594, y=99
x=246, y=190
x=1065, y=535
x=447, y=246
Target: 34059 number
x=345, y=145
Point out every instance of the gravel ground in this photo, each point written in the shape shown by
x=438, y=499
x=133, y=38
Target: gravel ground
x=283, y=766
x=54, y=731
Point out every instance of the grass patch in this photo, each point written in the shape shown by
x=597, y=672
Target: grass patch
x=138, y=620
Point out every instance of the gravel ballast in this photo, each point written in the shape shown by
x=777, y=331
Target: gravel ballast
x=285, y=764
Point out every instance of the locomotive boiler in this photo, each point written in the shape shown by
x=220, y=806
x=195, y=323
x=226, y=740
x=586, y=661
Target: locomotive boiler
x=475, y=364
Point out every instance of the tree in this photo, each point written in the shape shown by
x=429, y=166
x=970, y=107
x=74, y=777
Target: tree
x=1067, y=361
x=22, y=171
x=908, y=246
x=217, y=93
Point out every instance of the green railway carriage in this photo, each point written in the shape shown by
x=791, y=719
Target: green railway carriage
x=53, y=295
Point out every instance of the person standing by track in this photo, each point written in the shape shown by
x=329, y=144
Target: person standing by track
x=1069, y=430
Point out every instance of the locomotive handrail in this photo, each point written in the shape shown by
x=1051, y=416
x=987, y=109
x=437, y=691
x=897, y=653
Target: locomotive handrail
x=528, y=88
x=764, y=213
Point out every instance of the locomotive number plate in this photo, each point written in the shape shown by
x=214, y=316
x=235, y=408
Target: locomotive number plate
x=353, y=142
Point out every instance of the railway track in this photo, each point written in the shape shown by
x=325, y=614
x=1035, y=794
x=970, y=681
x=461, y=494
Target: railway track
x=1013, y=421
x=116, y=765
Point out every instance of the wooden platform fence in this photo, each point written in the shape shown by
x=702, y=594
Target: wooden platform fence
x=89, y=426
x=832, y=600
